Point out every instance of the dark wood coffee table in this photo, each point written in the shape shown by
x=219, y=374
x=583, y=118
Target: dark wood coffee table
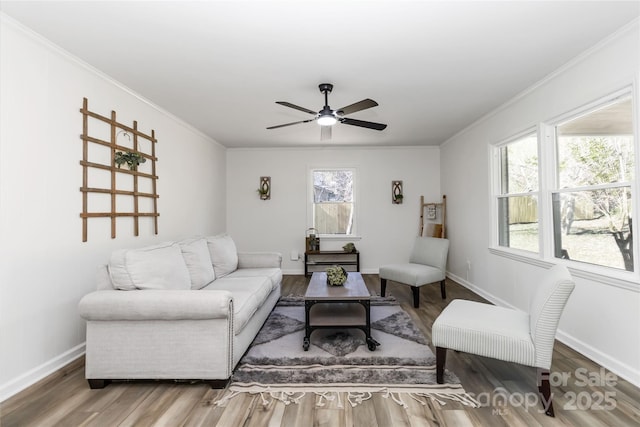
x=347, y=306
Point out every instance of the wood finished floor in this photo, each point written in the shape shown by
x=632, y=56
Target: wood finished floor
x=64, y=398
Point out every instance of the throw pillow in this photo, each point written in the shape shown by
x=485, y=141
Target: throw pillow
x=152, y=267
x=224, y=255
x=196, y=255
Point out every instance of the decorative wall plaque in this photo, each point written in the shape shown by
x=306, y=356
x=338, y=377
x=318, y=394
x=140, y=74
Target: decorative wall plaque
x=265, y=188
x=396, y=192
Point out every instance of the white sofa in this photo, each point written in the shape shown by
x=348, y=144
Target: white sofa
x=178, y=310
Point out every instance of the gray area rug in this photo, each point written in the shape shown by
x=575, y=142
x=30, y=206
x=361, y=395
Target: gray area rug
x=339, y=361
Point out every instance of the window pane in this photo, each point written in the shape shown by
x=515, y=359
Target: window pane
x=519, y=166
x=333, y=186
x=594, y=227
x=597, y=148
x=333, y=218
x=518, y=222
x=333, y=205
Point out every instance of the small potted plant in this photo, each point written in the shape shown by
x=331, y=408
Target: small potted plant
x=349, y=247
x=263, y=192
x=133, y=160
x=336, y=275
x=397, y=198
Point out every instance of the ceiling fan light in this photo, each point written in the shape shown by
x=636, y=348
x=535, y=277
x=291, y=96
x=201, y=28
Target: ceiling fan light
x=327, y=120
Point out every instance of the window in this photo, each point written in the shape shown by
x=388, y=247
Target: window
x=592, y=202
x=518, y=194
x=571, y=197
x=333, y=201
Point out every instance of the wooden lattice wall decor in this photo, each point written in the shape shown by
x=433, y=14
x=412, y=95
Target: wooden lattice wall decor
x=131, y=191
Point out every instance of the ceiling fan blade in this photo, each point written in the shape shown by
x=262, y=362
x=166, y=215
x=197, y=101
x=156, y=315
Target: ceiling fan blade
x=358, y=106
x=297, y=107
x=363, y=124
x=325, y=133
x=289, y=124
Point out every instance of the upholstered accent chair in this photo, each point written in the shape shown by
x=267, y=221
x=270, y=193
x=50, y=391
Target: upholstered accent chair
x=507, y=334
x=427, y=264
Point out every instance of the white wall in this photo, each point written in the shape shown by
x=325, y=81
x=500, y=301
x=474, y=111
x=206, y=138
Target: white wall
x=44, y=267
x=601, y=321
x=279, y=224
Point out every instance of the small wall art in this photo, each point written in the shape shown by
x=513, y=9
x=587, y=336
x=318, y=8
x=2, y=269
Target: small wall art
x=396, y=192
x=265, y=188
x=431, y=211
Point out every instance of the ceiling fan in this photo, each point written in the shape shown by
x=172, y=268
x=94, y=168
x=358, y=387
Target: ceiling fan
x=328, y=117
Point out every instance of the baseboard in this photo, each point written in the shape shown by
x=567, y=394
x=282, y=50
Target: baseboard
x=489, y=297
x=622, y=370
x=27, y=379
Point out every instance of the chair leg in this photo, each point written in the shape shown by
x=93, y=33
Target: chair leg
x=383, y=287
x=416, y=296
x=441, y=358
x=544, y=388
x=217, y=384
x=97, y=384
x=443, y=292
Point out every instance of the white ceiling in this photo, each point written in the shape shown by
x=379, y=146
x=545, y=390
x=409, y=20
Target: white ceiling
x=434, y=67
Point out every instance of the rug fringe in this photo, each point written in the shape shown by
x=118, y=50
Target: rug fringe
x=226, y=397
x=463, y=398
x=354, y=398
x=328, y=396
x=357, y=397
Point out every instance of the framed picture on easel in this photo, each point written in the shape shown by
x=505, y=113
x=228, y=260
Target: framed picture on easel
x=431, y=212
x=432, y=218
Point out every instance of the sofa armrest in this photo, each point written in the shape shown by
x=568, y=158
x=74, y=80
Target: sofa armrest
x=156, y=305
x=259, y=260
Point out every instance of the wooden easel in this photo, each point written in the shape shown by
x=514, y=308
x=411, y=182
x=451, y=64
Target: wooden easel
x=434, y=228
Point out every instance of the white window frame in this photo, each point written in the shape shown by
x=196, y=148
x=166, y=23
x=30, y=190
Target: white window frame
x=310, y=202
x=496, y=186
x=548, y=184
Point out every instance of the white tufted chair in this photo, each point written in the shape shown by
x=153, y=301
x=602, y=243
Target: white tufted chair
x=506, y=334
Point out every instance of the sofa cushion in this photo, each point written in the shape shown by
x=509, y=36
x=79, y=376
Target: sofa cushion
x=274, y=274
x=224, y=255
x=248, y=294
x=196, y=255
x=153, y=267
